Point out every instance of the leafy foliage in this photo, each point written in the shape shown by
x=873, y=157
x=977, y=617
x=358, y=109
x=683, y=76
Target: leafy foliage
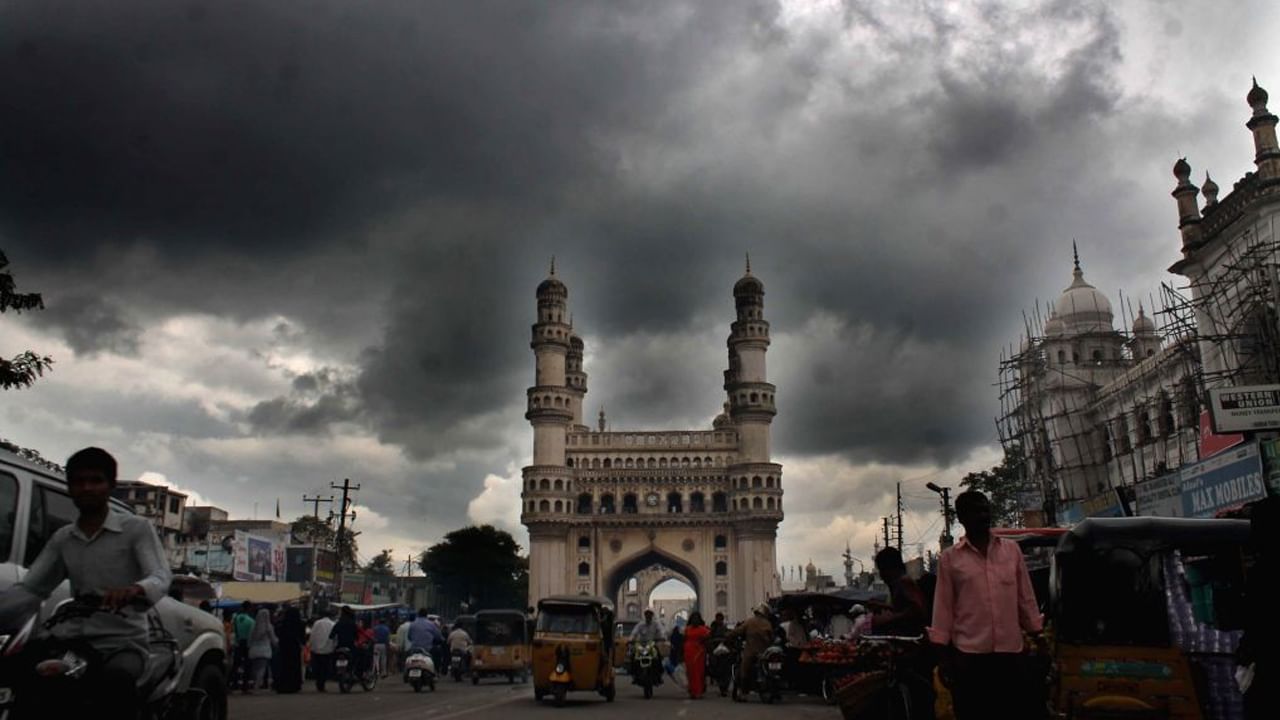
x=30, y=455
x=479, y=565
x=381, y=564
x=24, y=368
x=1001, y=484
x=310, y=529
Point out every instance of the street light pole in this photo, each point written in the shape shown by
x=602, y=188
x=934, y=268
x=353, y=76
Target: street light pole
x=946, y=540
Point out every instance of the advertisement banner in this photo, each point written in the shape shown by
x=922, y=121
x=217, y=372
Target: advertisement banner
x=1107, y=504
x=257, y=558
x=1223, y=481
x=1241, y=409
x=1212, y=443
x=1160, y=497
x=301, y=563
x=1271, y=464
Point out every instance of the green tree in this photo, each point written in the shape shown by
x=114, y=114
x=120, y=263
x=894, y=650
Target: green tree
x=23, y=369
x=381, y=564
x=311, y=530
x=1001, y=484
x=479, y=565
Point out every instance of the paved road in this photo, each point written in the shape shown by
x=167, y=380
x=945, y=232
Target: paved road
x=393, y=700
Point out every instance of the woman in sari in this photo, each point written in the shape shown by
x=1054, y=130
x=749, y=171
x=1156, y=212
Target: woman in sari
x=695, y=654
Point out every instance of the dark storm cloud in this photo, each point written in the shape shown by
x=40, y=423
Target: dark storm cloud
x=91, y=323
x=396, y=175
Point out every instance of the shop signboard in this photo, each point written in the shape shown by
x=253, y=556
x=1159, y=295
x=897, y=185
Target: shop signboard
x=1245, y=408
x=1224, y=481
x=1271, y=464
x=301, y=562
x=1160, y=497
x=1106, y=504
x=1212, y=443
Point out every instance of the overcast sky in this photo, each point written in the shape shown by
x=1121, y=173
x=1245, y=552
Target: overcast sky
x=281, y=244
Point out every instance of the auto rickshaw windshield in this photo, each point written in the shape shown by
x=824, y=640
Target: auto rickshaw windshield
x=507, y=630
x=580, y=621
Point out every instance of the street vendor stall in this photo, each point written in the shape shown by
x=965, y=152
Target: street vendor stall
x=828, y=651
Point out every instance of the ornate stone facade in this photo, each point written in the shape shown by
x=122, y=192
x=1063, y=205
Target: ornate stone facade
x=602, y=507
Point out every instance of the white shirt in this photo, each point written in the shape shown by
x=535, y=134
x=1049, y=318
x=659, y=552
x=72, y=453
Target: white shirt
x=321, y=643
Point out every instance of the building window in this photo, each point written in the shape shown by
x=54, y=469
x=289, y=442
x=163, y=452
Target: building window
x=756, y=482
x=606, y=504
x=697, y=503
x=595, y=463
x=568, y=463
x=629, y=504
x=722, y=568
x=719, y=502
x=1062, y=357
x=584, y=542
x=608, y=463
x=545, y=506
x=757, y=503
x=173, y=504
x=559, y=506
x=675, y=503
x=559, y=485
x=633, y=585
x=721, y=542
x=584, y=504
x=584, y=569
x=722, y=599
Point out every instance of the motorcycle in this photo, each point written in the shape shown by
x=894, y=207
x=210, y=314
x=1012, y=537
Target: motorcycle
x=420, y=670
x=646, y=666
x=720, y=665
x=768, y=671
x=62, y=662
x=351, y=669
x=459, y=663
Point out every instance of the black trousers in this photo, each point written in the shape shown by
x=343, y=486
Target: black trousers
x=321, y=669
x=109, y=686
x=992, y=685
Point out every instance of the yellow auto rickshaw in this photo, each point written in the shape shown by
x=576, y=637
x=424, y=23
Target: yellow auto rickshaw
x=501, y=646
x=1145, y=617
x=573, y=647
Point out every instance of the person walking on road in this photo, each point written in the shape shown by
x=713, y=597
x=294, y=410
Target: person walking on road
x=983, y=603
x=322, y=647
x=242, y=624
x=262, y=644
x=695, y=654
x=381, y=642
x=291, y=635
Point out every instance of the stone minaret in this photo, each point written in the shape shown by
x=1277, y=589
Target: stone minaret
x=1263, y=126
x=548, y=483
x=751, y=407
x=577, y=380
x=1188, y=199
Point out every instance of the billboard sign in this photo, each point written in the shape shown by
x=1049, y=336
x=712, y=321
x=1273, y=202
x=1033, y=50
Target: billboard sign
x=1245, y=408
x=1160, y=497
x=301, y=563
x=1212, y=443
x=258, y=558
x=1224, y=481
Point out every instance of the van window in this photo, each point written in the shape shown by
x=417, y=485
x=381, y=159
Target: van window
x=50, y=510
x=8, y=513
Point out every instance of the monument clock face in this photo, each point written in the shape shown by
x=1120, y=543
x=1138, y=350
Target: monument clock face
x=651, y=499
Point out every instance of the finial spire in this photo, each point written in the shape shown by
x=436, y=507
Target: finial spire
x=748, y=263
x=553, y=265
x=1075, y=254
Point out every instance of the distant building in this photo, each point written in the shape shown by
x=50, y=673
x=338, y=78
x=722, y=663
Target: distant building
x=163, y=506
x=198, y=519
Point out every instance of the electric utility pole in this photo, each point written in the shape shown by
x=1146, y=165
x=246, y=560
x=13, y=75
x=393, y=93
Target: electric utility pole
x=899, y=517
x=886, y=531
x=315, y=503
x=946, y=540
x=346, y=487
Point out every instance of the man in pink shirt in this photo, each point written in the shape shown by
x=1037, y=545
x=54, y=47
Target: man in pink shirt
x=983, y=603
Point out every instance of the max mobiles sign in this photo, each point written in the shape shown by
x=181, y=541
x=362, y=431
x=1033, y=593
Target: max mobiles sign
x=1245, y=408
x=1225, y=480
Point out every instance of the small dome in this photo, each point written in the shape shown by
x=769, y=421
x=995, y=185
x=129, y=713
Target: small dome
x=810, y=569
x=1143, y=325
x=1209, y=190
x=723, y=419
x=552, y=286
x=1182, y=170
x=748, y=285
x=1257, y=97
x=576, y=343
x=1053, y=327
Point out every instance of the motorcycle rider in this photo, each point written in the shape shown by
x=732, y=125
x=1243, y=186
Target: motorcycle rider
x=757, y=635
x=114, y=556
x=645, y=632
x=425, y=634
x=459, y=640
x=346, y=634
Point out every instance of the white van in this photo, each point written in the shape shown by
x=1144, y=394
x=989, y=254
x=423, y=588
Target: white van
x=33, y=504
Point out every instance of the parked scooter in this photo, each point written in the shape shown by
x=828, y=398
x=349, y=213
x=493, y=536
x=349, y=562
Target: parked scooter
x=420, y=669
x=351, y=668
x=646, y=666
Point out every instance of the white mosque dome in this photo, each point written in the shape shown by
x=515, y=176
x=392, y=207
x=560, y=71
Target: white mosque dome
x=1143, y=325
x=1082, y=308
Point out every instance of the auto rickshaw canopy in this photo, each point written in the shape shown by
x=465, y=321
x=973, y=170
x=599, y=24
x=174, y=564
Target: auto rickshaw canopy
x=501, y=627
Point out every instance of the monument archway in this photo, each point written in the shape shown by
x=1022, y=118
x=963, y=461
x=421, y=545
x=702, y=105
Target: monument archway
x=649, y=569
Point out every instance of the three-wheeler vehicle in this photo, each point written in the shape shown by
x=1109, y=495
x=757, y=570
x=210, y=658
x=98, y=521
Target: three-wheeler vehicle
x=501, y=646
x=573, y=647
x=1145, y=618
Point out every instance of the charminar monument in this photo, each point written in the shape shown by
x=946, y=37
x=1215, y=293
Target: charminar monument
x=614, y=513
